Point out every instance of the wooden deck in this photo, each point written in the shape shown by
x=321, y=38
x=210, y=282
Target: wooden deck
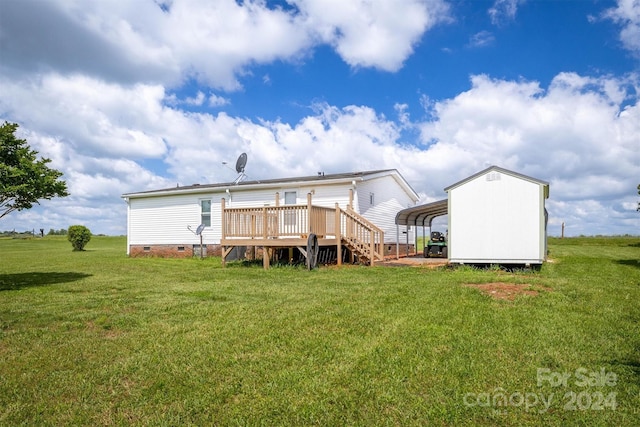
x=291, y=225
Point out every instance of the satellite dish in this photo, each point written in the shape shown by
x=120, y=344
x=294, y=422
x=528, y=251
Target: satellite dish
x=199, y=229
x=241, y=163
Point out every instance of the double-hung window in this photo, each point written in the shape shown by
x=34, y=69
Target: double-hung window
x=205, y=212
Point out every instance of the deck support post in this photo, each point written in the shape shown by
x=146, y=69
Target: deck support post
x=225, y=251
x=266, y=255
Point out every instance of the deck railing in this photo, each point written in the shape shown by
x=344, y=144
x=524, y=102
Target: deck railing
x=298, y=221
x=273, y=222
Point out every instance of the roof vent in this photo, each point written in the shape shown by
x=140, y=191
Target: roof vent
x=493, y=176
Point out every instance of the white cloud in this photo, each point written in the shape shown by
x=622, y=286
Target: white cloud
x=217, y=101
x=627, y=14
x=93, y=86
x=211, y=42
x=198, y=100
x=378, y=33
x=580, y=133
x=92, y=115
x=504, y=11
x=482, y=39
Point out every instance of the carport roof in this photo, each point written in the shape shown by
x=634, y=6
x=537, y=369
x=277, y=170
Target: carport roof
x=422, y=215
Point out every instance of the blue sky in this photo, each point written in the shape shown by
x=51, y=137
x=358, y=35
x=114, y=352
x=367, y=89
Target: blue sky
x=138, y=95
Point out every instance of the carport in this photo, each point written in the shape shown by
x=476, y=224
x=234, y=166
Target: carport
x=419, y=216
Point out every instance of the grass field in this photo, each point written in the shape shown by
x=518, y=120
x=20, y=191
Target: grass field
x=96, y=338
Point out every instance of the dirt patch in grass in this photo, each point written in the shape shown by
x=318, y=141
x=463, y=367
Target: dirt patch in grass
x=507, y=291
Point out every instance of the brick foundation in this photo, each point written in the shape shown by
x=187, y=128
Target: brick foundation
x=172, y=251
x=390, y=249
x=187, y=250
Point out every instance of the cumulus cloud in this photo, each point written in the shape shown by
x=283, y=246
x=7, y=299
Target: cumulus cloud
x=627, y=14
x=96, y=87
x=211, y=42
x=91, y=115
x=581, y=134
x=377, y=34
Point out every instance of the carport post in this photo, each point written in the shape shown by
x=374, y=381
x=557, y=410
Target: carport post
x=408, y=228
x=397, y=241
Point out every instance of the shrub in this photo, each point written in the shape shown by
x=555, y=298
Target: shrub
x=79, y=236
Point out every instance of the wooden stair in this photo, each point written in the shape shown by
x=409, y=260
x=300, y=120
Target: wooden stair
x=363, y=238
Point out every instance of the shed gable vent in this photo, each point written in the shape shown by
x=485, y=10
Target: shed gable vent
x=493, y=176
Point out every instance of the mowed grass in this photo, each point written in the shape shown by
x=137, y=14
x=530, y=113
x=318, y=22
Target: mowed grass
x=97, y=338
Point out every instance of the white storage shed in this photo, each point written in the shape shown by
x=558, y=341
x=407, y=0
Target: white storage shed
x=498, y=216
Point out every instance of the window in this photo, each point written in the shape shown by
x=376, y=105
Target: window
x=290, y=198
x=205, y=212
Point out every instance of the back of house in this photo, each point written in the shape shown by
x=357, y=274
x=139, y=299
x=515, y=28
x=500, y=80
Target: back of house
x=163, y=222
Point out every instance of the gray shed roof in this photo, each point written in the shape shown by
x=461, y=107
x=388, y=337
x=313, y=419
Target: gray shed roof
x=501, y=170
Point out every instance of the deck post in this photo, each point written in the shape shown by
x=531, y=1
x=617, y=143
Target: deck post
x=264, y=222
x=372, y=246
x=265, y=257
x=338, y=235
x=309, y=216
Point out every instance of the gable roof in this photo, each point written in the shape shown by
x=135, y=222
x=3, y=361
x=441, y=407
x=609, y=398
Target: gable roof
x=336, y=178
x=504, y=171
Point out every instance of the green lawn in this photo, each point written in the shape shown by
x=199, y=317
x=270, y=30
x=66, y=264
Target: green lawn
x=97, y=338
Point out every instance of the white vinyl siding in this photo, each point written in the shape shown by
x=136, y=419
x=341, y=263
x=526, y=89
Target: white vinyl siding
x=163, y=220
x=389, y=198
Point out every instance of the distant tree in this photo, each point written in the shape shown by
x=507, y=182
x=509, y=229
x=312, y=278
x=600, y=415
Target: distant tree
x=61, y=232
x=638, y=208
x=79, y=236
x=23, y=178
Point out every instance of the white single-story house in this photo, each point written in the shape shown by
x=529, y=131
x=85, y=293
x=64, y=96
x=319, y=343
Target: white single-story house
x=495, y=216
x=163, y=222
